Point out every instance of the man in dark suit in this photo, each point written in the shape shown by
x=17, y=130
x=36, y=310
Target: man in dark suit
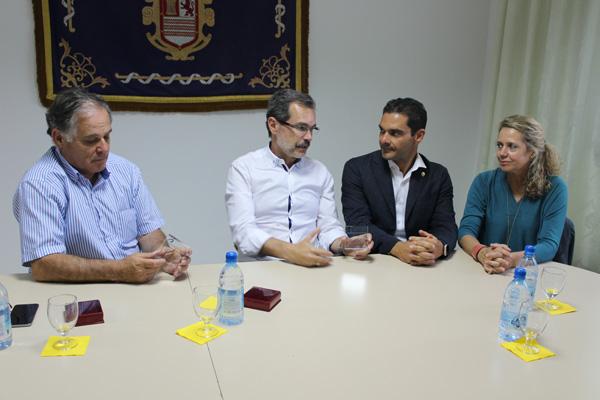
x=405, y=199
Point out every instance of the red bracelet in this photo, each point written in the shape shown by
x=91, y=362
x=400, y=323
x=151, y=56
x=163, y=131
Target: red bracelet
x=476, y=249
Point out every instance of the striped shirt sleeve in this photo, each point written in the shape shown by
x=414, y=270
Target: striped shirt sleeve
x=38, y=209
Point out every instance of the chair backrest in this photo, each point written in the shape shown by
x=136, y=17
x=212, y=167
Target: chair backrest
x=564, y=254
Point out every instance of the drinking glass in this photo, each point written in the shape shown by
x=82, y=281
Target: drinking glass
x=63, y=311
x=552, y=281
x=205, y=302
x=533, y=321
x=176, y=253
x=358, y=240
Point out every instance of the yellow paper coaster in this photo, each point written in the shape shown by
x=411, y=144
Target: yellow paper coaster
x=78, y=350
x=563, y=308
x=209, y=303
x=516, y=348
x=189, y=332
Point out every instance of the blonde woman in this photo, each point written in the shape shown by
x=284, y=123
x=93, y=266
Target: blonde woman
x=521, y=202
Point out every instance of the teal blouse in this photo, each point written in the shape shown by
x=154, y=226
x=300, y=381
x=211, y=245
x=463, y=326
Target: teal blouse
x=492, y=215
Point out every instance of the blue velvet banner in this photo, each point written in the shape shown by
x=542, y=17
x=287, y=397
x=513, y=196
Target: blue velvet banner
x=172, y=55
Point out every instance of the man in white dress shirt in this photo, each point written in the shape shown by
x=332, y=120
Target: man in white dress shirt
x=281, y=203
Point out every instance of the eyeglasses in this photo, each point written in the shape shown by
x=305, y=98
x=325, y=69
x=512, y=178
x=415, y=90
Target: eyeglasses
x=301, y=129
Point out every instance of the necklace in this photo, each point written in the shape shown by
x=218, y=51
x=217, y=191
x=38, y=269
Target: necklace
x=510, y=227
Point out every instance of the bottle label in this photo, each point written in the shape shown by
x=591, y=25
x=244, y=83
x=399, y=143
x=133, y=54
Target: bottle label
x=231, y=303
x=4, y=323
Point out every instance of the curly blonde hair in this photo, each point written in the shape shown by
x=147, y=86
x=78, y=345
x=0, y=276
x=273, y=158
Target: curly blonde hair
x=544, y=162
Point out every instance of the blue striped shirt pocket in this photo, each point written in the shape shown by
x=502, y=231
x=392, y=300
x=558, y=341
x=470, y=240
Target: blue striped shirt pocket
x=127, y=230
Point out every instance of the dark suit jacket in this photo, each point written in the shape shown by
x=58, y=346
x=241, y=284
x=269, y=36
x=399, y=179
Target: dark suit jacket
x=368, y=199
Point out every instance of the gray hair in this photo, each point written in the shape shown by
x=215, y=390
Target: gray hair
x=279, y=104
x=65, y=111
x=544, y=162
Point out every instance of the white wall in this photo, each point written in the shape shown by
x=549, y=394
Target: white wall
x=361, y=55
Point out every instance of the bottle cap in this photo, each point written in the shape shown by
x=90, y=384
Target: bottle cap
x=520, y=273
x=231, y=257
x=529, y=250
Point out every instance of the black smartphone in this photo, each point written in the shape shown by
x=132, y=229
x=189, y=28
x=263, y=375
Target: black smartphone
x=23, y=314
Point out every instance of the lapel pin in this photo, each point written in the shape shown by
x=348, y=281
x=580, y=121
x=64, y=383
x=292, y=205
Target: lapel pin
x=422, y=173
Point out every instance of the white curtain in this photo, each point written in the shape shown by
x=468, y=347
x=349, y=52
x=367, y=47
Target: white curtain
x=544, y=61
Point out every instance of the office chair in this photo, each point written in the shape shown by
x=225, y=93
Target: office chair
x=564, y=254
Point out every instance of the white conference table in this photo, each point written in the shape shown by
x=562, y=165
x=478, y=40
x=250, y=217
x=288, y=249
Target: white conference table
x=353, y=330
x=135, y=354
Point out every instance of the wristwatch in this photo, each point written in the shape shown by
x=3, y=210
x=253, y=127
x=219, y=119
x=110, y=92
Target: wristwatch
x=445, y=252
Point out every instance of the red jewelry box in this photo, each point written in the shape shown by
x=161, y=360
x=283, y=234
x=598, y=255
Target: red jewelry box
x=262, y=299
x=90, y=312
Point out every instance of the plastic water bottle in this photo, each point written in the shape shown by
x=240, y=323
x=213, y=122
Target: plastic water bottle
x=530, y=264
x=231, y=291
x=5, y=327
x=515, y=295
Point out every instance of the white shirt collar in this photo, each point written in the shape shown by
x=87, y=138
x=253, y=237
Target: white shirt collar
x=278, y=162
x=419, y=163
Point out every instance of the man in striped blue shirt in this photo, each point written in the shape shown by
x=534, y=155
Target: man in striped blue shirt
x=85, y=214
